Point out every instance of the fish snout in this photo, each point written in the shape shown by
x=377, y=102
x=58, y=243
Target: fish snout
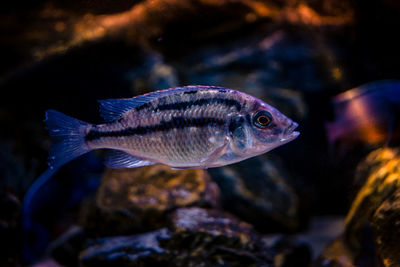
x=289, y=133
x=289, y=130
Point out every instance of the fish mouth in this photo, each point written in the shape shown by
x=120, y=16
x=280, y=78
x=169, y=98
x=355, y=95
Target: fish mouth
x=289, y=134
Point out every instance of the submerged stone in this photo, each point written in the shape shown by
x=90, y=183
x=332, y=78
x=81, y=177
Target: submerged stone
x=212, y=225
x=372, y=224
x=204, y=237
x=386, y=226
x=258, y=190
x=136, y=250
x=66, y=248
x=197, y=237
x=130, y=200
x=381, y=169
x=337, y=254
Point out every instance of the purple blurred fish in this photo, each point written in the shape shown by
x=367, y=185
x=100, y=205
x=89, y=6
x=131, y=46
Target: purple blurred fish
x=185, y=127
x=366, y=114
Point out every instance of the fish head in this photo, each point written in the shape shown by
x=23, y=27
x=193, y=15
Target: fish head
x=262, y=129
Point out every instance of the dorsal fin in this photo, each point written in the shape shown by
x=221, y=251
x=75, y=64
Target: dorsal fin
x=113, y=109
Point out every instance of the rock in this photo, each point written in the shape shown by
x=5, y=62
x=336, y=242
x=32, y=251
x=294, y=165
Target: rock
x=386, y=226
x=66, y=248
x=132, y=200
x=213, y=238
x=382, y=169
x=337, y=254
x=264, y=60
x=212, y=226
x=374, y=205
x=146, y=21
x=136, y=250
x=375, y=160
x=258, y=191
x=340, y=254
x=197, y=237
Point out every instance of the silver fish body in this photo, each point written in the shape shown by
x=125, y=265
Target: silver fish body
x=185, y=127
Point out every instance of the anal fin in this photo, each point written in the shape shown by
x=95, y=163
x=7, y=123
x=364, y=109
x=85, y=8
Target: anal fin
x=118, y=159
x=188, y=168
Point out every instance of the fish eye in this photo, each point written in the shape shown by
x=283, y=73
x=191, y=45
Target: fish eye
x=262, y=119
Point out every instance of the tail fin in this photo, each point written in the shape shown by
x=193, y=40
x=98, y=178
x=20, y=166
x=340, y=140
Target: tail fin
x=69, y=134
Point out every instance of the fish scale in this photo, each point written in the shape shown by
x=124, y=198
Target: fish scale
x=184, y=127
x=174, y=143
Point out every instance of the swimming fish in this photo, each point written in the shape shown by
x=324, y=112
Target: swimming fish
x=185, y=128
x=368, y=114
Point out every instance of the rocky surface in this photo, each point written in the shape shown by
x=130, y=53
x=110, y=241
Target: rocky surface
x=206, y=231
x=211, y=238
x=142, y=23
x=137, y=250
x=386, y=226
x=259, y=191
x=382, y=180
x=197, y=237
x=213, y=224
x=137, y=200
x=66, y=248
x=130, y=200
x=337, y=254
x=372, y=225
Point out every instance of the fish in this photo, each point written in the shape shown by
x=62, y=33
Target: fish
x=185, y=128
x=189, y=127
x=368, y=114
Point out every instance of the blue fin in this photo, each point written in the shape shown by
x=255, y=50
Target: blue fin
x=69, y=134
x=119, y=159
x=113, y=109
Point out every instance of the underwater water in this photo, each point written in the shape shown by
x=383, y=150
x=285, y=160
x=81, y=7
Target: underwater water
x=330, y=197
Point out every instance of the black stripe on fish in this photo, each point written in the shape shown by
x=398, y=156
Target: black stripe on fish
x=200, y=102
x=236, y=123
x=190, y=92
x=175, y=123
x=248, y=118
x=144, y=106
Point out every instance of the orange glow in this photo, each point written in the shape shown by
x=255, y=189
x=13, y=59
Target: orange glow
x=146, y=20
x=369, y=129
x=298, y=14
x=60, y=26
x=360, y=118
x=337, y=73
x=381, y=183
